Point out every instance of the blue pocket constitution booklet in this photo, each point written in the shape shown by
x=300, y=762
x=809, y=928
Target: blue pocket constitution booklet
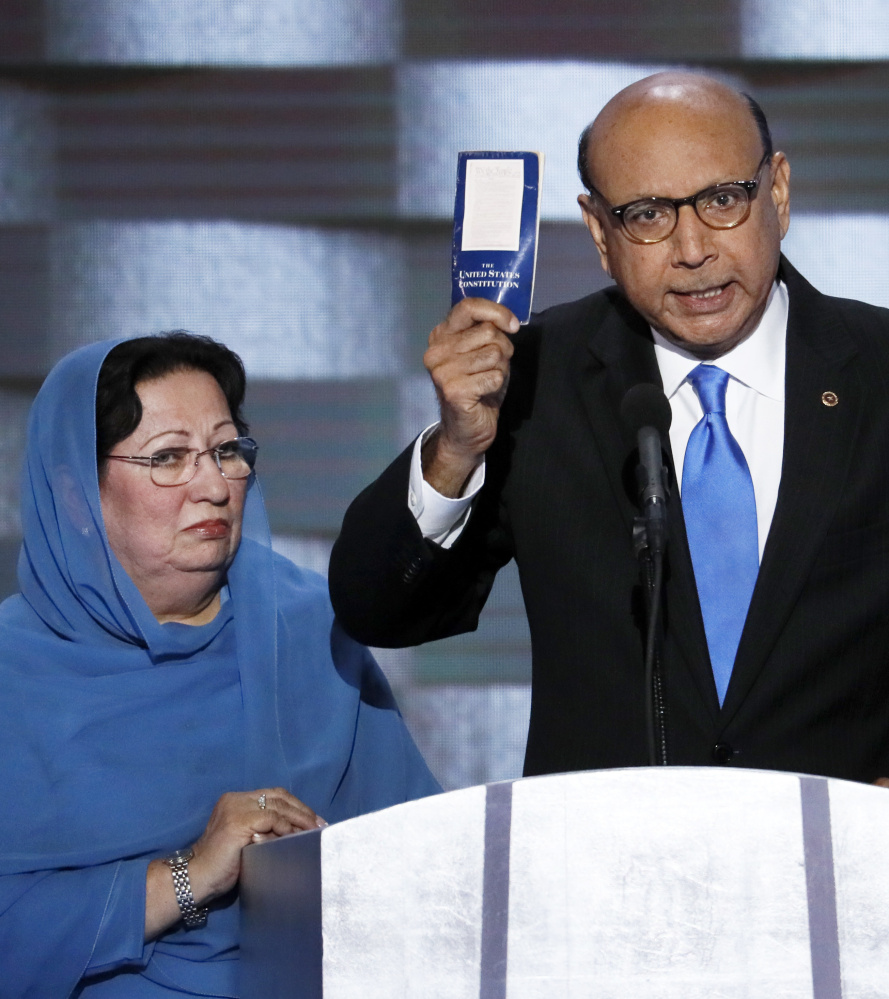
x=496, y=218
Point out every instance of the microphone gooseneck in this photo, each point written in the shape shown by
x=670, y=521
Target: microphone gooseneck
x=646, y=412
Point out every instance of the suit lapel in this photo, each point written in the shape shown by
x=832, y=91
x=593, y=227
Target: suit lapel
x=817, y=448
x=621, y=354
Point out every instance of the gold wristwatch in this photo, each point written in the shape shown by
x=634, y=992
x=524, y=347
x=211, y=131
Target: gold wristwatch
x=192, y=916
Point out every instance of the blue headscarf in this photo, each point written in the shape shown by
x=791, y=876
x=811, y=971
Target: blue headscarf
x=116, y=731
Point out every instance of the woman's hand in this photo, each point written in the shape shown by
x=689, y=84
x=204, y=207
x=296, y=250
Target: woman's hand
x=237, y=820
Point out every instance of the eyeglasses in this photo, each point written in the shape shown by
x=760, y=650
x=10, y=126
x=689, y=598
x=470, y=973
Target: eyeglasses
x=724, y=206
x=174, y=466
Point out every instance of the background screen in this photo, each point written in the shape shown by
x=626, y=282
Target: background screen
x=279, y=174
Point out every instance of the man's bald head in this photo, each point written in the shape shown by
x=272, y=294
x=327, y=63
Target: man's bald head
x=661, y=90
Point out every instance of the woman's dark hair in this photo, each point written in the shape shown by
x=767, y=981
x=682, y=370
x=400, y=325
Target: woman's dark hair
x=118, y=408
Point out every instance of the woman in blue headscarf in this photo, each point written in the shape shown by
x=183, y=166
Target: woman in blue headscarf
x=159, y=660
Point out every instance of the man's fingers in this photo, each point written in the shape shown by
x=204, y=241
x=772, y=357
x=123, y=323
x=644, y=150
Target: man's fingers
x=471, y=311
x=451, y=360
x=471, y=338
x=454, y=369
x=480, y=388
x=491, y=387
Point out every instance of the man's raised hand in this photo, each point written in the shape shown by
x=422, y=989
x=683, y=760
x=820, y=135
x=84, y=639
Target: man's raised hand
x=468, y=358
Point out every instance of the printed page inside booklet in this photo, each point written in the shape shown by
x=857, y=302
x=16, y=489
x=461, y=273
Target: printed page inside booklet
x=496, y=219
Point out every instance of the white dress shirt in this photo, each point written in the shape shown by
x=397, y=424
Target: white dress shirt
x=440, y=518
x=754, y=409
x=754, y=402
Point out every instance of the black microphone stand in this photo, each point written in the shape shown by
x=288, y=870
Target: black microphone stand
x=649, y=544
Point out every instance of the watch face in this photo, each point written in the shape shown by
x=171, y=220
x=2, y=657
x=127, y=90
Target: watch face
x=179, y=858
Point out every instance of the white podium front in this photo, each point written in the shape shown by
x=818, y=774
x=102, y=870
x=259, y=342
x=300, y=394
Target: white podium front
x=668, y=883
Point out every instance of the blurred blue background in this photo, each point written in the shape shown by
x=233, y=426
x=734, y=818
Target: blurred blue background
x=279, y=174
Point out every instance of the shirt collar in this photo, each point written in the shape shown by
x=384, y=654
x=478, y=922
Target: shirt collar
x=757, y=361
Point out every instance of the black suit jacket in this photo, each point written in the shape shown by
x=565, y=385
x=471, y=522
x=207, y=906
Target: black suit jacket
x=810, y=687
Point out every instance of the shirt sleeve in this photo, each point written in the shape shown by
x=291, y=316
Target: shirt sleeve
x=59, y=927
x=121, y=936
x=440, y=518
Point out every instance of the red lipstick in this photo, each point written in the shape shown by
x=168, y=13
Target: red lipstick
x=210, y=529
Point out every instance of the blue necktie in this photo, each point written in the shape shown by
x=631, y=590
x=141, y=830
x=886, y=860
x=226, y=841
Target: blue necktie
x=720, y=520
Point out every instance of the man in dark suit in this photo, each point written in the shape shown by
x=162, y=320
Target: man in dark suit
x=687, y=205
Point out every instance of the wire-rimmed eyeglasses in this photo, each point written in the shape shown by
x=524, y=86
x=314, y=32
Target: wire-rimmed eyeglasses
x=722, y=206
x=174, y=466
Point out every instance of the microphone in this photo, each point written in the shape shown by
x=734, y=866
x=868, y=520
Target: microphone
x=646, y=412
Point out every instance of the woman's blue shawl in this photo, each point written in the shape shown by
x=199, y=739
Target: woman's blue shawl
x=118, y=734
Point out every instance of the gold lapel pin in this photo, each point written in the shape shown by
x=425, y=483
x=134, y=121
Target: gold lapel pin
x=829, y=398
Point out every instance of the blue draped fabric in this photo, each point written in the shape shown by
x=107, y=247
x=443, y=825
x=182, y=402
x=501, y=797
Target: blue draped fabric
x=118, y=734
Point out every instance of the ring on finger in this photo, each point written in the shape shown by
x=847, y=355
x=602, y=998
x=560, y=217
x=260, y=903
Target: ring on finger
x=261, y=801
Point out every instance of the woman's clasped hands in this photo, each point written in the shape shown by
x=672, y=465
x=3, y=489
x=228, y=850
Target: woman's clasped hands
x=238, y=819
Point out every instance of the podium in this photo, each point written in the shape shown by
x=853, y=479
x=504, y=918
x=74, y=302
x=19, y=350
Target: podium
x=667, y=883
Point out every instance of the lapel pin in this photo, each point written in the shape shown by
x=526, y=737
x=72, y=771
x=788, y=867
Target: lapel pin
x=829, y=398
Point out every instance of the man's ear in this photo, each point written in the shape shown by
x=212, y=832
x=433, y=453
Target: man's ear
x=781, y=190
x=588, y=210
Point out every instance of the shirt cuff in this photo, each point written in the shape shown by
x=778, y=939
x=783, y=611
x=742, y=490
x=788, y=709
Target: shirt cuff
x=440, y=518
x=120, y=939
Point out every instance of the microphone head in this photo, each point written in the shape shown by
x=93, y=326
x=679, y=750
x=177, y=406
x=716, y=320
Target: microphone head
x=645, y=405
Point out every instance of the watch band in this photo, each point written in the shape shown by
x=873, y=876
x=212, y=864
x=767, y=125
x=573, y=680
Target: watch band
x=192, y=916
